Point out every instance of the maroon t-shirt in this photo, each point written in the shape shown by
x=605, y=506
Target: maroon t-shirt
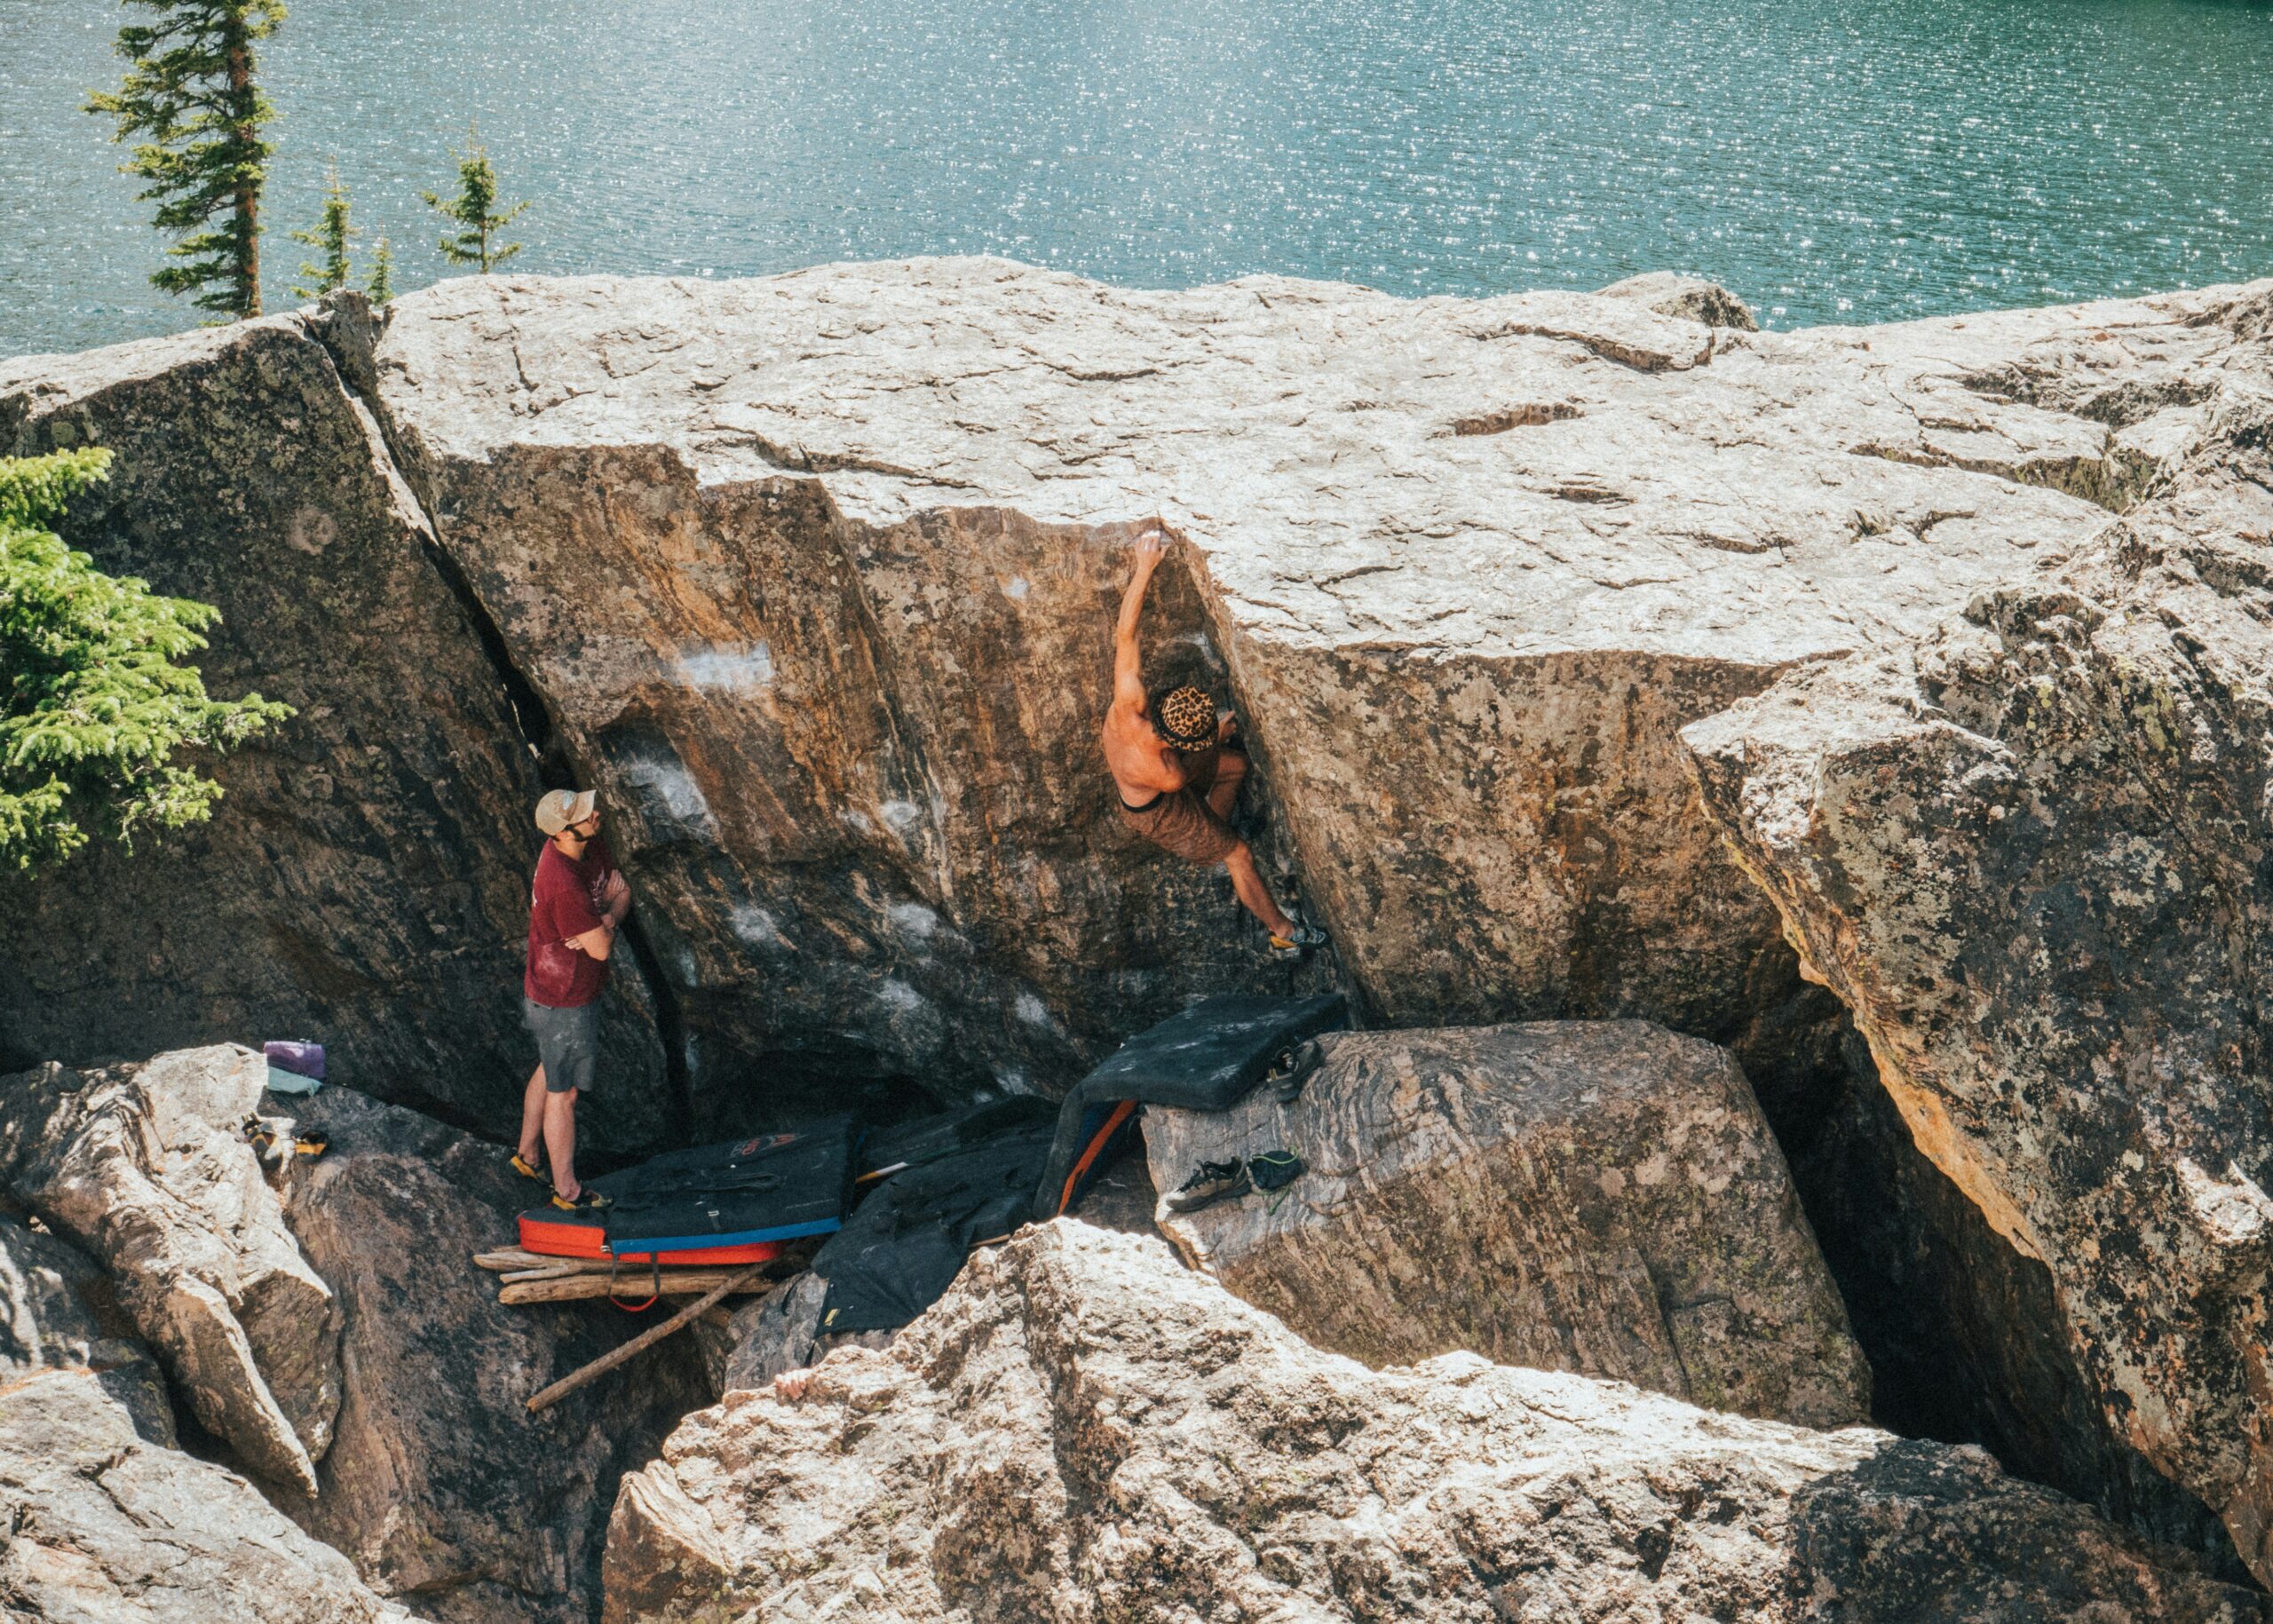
x=567, y=899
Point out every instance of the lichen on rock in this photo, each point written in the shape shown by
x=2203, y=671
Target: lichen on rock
x=2030, y=856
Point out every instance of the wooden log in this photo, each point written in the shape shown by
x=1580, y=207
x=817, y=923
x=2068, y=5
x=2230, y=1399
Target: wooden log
x=513, y=1257
x=631, y=1285
x=750, y=1279
x=513, y=1260
x=554, y=1272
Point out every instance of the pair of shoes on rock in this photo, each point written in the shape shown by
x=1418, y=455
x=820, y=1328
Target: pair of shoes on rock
x=268, y=1141
x=1216, y=1181
x=1210, y=1182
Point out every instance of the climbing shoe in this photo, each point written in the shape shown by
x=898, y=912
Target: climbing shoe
x=311, y=1144
x=1212, y=1182
x=527, y=1169
x=1292, y=1069
x=587, y=1199
x=260, y=1136
x=1300, y=938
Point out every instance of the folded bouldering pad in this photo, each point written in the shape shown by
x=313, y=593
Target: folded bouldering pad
x=899, y=1252
x=1208, y=1058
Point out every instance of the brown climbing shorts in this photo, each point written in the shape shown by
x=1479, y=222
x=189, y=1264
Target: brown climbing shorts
x=1181, y=822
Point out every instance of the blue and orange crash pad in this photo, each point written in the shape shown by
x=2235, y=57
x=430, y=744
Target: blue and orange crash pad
x=732, y=1203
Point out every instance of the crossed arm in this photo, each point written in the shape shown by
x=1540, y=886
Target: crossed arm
x=600, y=941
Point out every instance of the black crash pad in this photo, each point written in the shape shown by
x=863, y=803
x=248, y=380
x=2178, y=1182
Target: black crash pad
x=903, y=1247
x=1209, y=1057
x=911, y=1144
x=773, y=1186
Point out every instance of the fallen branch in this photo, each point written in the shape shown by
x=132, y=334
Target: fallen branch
x=631, y=1283
x=601, y=1366
x=514, y=1257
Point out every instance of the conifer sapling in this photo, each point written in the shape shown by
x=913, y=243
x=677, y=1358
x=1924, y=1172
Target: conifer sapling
x=191, y=92
x=475, y=208
x=93, y=704
x=330, y=236
x=380, y=288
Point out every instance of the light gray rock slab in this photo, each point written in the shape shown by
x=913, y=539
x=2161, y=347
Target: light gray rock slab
x=844, y=548
x=105, y=1526
x=146, y=1167
x=1671, y=294
x=57, y=1314
x=1082, y=1430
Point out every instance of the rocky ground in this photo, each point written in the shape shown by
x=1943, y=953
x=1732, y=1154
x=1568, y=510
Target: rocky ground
x=1082, y=1430
x=323, y=1328
x=1790, y=806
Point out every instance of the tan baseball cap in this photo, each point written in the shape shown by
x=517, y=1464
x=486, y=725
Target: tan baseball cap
x=560, y=808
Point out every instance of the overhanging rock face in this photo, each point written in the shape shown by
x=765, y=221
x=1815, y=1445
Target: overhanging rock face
x=817, y=575
x=2031, y=857
x=1601, y=1197
x=365, y=879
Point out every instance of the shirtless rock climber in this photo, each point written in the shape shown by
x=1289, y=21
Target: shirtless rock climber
x=1177, y=764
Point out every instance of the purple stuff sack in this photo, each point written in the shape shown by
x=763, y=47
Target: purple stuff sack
x=297, y=1055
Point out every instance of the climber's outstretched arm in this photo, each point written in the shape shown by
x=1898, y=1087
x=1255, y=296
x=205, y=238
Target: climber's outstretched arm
x=1127, y=657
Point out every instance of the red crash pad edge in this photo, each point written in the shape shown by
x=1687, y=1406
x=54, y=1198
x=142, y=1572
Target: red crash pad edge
x=553, y=1233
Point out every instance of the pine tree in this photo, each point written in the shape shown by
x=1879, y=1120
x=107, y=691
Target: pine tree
x=192, y=92
x=330, y=235
x=93, y=705
x=380, y=288
x=474, y=208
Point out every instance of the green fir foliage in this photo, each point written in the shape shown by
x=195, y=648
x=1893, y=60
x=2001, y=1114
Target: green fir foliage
x=475, y=210
x=93, y=703
x=191, y=105
x=330, y=239
x=380, y=288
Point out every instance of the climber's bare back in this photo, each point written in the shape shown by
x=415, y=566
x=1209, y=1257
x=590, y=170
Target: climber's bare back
x=1141, y=765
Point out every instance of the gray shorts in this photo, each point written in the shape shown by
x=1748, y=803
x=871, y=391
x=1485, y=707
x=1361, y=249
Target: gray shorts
x=568, y=1042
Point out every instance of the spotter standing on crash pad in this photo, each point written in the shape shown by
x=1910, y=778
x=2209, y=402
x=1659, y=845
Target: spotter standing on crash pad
x=1177, y=764
x=577, y=902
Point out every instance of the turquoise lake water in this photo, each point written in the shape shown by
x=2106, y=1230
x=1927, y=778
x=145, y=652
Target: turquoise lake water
x=1829, y=160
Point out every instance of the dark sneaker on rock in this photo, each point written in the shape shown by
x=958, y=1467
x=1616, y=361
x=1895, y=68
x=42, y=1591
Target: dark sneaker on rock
x=1212, y=1182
